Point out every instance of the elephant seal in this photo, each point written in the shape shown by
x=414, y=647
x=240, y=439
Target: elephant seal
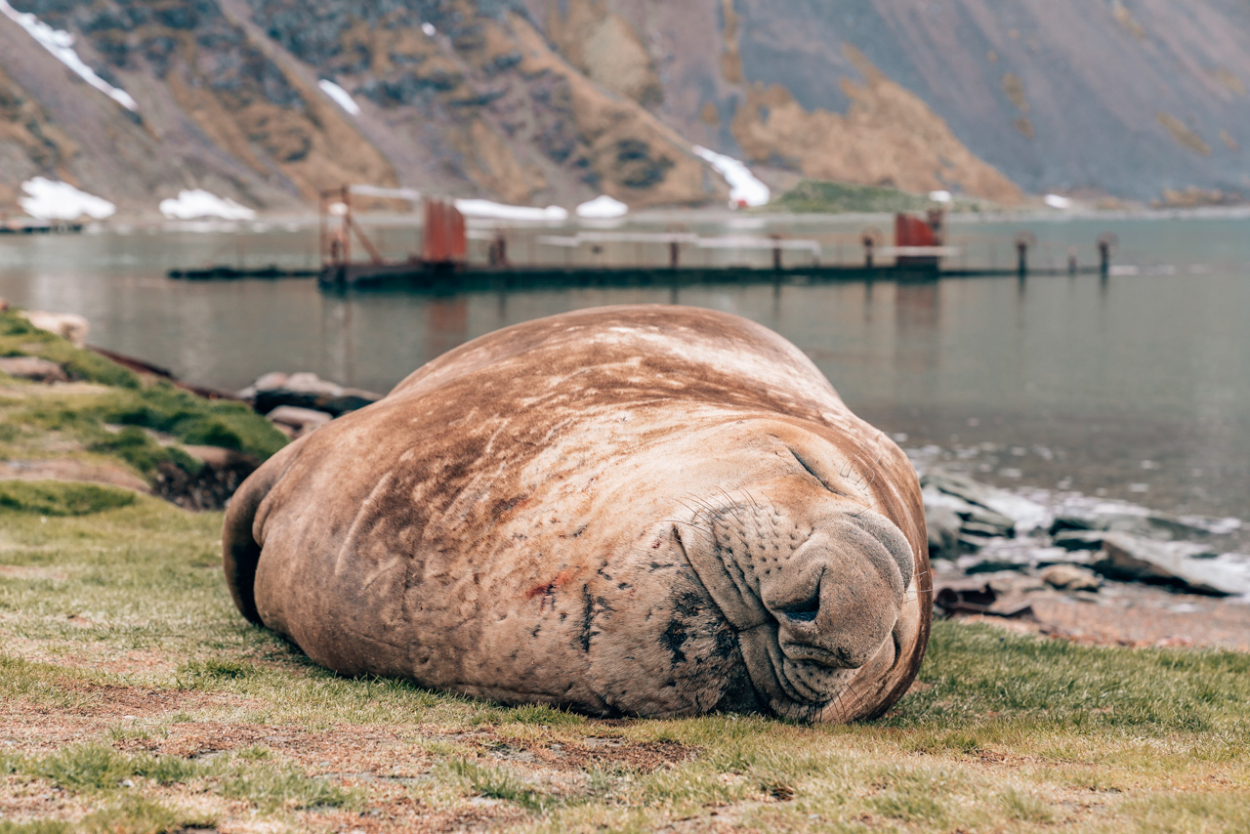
x=638, y=510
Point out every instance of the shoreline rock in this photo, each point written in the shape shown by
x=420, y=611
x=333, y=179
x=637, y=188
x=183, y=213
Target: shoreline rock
x=1130, y=559
x=292, y=401
x=982, y=531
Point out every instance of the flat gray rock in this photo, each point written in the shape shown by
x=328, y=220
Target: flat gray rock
x=299, y=418
x=1072, y=540
x=1027, y=515
x=1144, y=525
x=943, y=525
x=989, y=522
x=33, y=368
x=1071, y=578
x=1132, y=559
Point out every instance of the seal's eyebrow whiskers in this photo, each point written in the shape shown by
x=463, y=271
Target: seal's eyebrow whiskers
x=686, y=506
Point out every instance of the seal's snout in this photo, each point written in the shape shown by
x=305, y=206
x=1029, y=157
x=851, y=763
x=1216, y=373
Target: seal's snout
x=834, y=586
x=836, y=599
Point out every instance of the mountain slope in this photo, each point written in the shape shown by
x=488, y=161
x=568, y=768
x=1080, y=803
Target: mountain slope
x=557, y=101
x=1126, y=98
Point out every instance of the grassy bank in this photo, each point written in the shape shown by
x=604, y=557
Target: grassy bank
x=134, y=698
x=106, y=424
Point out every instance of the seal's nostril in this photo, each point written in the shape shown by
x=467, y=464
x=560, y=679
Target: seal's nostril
x=803, y=612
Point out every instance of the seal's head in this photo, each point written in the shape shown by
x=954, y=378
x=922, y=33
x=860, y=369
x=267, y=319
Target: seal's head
x=806, y=563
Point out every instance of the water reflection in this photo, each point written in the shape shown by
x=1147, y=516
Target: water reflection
x=447, y=324
x=916, y=316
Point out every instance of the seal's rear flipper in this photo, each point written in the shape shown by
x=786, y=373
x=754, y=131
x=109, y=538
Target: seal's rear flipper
x=240, y=550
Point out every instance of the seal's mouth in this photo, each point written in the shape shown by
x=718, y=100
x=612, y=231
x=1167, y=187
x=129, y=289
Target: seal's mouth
x=821, y=605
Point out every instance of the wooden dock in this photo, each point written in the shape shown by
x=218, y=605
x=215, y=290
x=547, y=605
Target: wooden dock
x=365, y=276
x=231, y=273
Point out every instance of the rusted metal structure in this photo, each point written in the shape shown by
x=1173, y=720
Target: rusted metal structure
x=917, y=241
x=445, y=246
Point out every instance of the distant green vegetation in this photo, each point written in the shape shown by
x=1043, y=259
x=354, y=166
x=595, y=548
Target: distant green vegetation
x=819, y=196
x=135, y=446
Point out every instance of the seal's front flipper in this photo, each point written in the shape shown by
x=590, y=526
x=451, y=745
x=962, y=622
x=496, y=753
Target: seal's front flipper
x=240, y=551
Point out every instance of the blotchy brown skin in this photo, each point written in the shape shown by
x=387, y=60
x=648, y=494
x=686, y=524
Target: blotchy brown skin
x=643, y=510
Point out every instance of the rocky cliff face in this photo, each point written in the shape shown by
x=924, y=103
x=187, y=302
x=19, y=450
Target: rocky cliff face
x=556, y=101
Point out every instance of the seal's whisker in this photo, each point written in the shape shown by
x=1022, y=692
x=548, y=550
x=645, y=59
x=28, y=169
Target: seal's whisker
x=686, y=506
x=707, y=530
x=734, y=507
x=706, y=505
x=876, y=466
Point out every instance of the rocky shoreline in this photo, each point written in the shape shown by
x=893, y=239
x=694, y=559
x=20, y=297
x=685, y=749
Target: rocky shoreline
x=1081, y=567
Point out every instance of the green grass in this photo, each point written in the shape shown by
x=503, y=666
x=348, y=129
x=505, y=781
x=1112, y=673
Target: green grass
x=498, y=782
x=193, y=420
x=271, y=788
x=140, y=815
x=160, y=407
x=820, y=196
x=137, y=448
x=58, y=498
x=127, y=606
x=97, y=767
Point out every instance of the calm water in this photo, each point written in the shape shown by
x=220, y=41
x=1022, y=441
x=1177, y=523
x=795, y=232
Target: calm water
x=1138, y=385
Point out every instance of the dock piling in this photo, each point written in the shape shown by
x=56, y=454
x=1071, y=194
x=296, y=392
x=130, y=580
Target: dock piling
x=869, y=239
x=1023, y=241
x=1106, y=242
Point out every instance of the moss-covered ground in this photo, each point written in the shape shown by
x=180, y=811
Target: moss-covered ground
x=133, y=698
x=110, y=424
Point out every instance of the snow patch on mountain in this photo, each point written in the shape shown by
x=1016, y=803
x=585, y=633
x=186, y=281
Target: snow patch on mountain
x=602, y=208
x=744, y=188
x=197, y=203
x=48, y=199
x=486, y=209
x=341, y=97
x=61, y=44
